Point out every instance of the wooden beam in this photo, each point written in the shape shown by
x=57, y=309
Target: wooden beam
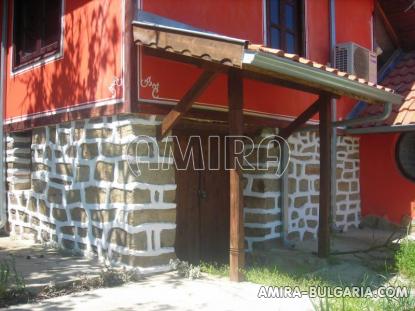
x=326, y=170
x=389, y=28
x=185, y=103
x=265, y=78
x=237, y=249
x=301, y=119
x=187, y=59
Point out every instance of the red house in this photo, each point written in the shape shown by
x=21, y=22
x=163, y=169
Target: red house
x=83, y=79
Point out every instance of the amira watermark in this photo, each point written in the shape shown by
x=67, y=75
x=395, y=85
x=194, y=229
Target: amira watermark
x=209, y=153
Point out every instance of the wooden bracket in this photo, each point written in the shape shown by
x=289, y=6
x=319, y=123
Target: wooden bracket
x=301, y=119
x=185, y=103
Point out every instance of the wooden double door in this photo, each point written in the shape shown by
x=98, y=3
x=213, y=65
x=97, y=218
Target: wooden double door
x=202, y=194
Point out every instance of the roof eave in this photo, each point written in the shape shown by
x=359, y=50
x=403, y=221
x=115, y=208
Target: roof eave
x=310, y=76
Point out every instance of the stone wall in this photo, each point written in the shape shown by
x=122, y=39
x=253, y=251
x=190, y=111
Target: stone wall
x=77, y=185
x=262, y=191
x=262, y=211
x=304, y=183
x=85, y=197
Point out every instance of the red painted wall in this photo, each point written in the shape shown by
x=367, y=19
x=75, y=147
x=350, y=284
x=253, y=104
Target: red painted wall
x=244, y=19
x=384, y=190
x=92, y=55
x=91, y=59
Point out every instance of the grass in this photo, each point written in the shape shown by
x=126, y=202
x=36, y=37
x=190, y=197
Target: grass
x=405, y=260
x=272, y=275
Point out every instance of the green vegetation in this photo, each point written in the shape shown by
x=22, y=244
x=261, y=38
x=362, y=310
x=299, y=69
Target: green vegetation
x=12, y=285
x=275, y=275
x=405, y=260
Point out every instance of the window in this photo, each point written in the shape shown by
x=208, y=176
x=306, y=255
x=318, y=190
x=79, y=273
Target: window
x=37, y=30
x=285, y=27
x=405, y=155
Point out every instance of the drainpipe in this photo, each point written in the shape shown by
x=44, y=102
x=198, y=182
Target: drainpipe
x=3, y=205
x=333, y=180
x=387, y=110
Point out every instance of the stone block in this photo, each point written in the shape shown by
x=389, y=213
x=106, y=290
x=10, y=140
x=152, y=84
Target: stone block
x=73, y=196
x=138, y=196
x=104, y=171
x=59, y=214
x=39, y=135
x=167, y=237
x=43, y=208
x=54, y=195
x=254, y=202
x=98, y=133
x=63, y=139
x=312, y=169
x=89, y=151
x=64, y=169
x=95, y=195
x=78, y=214
x=102, y=216
x=300, y=201
x=136, y=130
x=150, y=173
x=82, y=173
x=96, y=232
x=69, y=230
x=143, y=216
x=145, y=261
x=257, y=232
x=261, y=218
x=111, y=150
x=68, y=244
x=82, y=232
x=266, y=185
x=169, y=196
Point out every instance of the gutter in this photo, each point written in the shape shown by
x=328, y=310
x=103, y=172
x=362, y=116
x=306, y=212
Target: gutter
x=3, y=204
x=387, y=110
x=304, y=74
x=381, y=129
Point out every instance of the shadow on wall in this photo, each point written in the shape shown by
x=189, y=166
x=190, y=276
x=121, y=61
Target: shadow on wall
x=91, y=60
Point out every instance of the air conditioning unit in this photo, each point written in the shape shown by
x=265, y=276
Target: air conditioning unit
x=356, y=60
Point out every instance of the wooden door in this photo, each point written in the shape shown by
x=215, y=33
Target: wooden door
x=203, y=202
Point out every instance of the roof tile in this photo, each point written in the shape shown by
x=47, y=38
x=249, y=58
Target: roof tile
x=402, y=80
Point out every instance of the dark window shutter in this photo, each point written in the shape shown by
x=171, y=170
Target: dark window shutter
x=37, y=29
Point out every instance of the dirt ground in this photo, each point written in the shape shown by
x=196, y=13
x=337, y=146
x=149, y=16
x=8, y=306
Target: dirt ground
x=42, y=266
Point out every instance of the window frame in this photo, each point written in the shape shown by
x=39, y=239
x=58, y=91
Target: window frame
x=43, y=54
x=398, y=161
x=299, y=24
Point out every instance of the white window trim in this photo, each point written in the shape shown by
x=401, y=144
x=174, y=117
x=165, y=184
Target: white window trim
x=41, y=62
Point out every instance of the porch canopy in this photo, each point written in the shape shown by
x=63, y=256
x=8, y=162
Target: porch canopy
x=169, y=39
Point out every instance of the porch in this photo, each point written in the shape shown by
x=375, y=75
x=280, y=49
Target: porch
x=239, y=60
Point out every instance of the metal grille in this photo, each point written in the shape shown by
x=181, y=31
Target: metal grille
x=341, y=58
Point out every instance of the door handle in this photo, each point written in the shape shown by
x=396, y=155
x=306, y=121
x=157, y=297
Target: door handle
x=202, y=194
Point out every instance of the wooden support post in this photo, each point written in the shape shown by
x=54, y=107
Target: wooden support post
x=237, y=249
x=326, y=169
x=185, y=103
